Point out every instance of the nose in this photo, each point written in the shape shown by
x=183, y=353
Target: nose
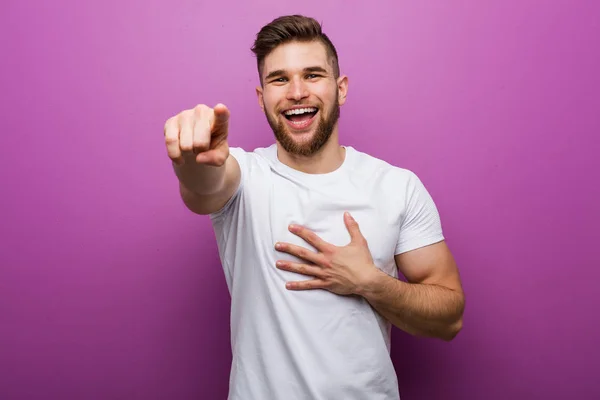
x=297, y=90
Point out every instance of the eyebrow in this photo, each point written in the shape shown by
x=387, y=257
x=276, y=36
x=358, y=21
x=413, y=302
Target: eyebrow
x=305, y=70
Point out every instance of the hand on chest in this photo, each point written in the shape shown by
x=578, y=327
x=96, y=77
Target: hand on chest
x=327, y=222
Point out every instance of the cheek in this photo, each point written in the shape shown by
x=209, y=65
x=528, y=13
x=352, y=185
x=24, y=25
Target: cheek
x=327, y=95
x=270, y=101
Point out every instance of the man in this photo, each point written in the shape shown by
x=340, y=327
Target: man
x=313, y=235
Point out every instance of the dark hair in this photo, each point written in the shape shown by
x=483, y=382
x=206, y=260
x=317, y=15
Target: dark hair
x=288, y=29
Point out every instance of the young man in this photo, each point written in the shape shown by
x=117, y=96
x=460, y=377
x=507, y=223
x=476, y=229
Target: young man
x=312, y=235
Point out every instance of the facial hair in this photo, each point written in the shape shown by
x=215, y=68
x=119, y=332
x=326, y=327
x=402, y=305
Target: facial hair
x=325, y=127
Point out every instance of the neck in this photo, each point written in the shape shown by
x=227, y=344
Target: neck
x=329, y=158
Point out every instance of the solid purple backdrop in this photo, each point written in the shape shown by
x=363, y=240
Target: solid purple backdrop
x=110, y=289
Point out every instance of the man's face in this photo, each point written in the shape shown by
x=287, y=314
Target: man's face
x=301, y=96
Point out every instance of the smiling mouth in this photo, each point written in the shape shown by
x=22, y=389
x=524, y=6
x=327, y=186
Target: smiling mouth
x=300, y=116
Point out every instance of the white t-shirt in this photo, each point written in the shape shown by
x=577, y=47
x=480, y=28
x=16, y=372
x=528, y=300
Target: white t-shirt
x=313, y=344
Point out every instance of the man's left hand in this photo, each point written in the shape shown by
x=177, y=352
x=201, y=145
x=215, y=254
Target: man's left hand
x=341, y=270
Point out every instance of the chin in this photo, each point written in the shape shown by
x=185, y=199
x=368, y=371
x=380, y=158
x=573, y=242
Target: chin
x=301, y=136
x=304, y=141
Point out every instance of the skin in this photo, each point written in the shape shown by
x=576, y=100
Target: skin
x=430, y=303
x=300, y=73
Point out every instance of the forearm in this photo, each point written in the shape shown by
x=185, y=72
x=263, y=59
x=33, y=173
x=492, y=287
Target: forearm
x=419, y=309
x=200, y=179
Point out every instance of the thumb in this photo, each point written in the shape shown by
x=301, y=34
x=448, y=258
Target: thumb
x=353, y=229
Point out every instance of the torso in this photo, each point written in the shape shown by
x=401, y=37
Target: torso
x=306, y=344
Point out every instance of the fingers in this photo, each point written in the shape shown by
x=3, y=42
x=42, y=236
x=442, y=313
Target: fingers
x=194, y=131
x=310, y=237
x=353, y=228
x=186, y=132
x=308, y=285
x=172, y=140
x=221, y=119
x=300, y=252
x=216, y=157
x=309, y=270
x=203, y=118
x=304, y=269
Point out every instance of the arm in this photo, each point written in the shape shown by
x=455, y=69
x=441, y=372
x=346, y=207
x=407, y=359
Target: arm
x=205, y=189
x=430, y=303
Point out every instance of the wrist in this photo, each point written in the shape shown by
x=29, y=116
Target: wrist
x=372, y=282
x=200, y=179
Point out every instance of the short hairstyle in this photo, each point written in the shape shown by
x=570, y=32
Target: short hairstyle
x=291, y=28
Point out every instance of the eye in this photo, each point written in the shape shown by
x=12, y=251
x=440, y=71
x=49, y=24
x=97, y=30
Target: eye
x=312, y=76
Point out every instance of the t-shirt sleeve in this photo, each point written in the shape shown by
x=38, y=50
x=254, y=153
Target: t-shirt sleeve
x=421, y=225
x=241, y=157
x=227, y=222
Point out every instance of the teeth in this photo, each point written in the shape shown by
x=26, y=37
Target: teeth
x=300, y=111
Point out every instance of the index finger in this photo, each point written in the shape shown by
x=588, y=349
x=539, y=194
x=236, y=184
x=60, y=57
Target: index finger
x=221, y=119
x=310, y=237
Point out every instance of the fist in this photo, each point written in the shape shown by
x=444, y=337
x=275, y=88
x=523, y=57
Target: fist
x=198, y=135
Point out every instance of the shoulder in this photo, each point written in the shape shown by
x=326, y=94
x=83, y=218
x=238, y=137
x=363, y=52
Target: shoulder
x=385, y=173
x=253, y=162
x=260, y=155
x=253, y=167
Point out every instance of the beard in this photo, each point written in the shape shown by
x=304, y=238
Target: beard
x=325, y=127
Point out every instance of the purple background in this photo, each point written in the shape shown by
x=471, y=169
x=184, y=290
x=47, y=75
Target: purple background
x=110, y=289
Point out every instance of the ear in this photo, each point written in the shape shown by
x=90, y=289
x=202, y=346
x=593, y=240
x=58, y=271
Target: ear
x=259, y=94
x=342, y=84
